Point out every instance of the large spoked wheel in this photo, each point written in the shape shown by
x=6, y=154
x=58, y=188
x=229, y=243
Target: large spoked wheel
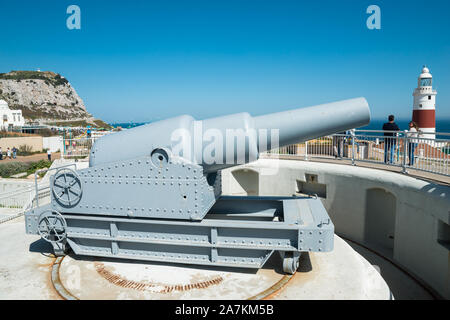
x=52, y=226
x=291, y=262
x=66, y=187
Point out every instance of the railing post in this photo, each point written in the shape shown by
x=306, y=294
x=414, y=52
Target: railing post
x=64, y=143
x=306, y=150
x=62, y=146
x=405, y=151
x=352, y=133
x=36, y=188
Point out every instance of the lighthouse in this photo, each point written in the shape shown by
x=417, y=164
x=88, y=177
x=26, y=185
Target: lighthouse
x=424, y=107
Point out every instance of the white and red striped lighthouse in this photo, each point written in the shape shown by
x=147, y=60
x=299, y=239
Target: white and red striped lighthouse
x=424, y=108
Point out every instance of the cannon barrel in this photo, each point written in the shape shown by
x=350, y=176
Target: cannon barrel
x=308, y=123
x=230, y=140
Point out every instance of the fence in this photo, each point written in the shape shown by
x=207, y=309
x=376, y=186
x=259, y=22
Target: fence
x=79, y=148
x=14, y=203
x=402, y=149
x=399, y=148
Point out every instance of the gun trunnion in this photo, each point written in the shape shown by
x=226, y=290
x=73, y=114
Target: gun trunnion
x=142, y=198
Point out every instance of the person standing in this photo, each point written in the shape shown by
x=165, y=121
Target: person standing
x=49, y=155
x=1, y=154
x=8, y=153
x=412, y=136
x=390, y=139
x=338, y=144
x=14, y=150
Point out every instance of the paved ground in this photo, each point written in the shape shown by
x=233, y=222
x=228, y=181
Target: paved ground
x=8, y=212
x=403, y=286
x=25, y=266
x=32, y=158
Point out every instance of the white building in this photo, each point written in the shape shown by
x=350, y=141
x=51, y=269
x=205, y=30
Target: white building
x=10, y=118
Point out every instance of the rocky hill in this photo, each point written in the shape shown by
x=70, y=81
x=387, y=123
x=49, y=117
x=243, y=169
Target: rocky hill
x=45, y=97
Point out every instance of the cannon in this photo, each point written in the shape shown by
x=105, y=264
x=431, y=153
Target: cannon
x=154, y=192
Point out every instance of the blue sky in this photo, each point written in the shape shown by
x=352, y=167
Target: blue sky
x=148, y=60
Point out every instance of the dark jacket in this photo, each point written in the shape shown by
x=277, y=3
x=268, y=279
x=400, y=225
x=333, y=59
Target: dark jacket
x=390, y=127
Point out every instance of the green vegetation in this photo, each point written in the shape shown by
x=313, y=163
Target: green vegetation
x=49, y=77
x=81, y=123
x=38, y=112
x=41, y=164
x=76, y=158
x=12, y=134
x=9, y=169
x=25, y=150
x=102, y=124
x=46, y=132
x=75, y=123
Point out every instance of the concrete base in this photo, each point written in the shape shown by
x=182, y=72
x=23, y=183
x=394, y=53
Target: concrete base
x=25, y=273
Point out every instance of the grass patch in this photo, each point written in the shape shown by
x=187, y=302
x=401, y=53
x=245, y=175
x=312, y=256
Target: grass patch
x=81, y=123
x=39, y=112
x=102, y=124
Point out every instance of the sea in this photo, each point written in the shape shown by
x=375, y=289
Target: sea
x=127, y=125
x=442, y=125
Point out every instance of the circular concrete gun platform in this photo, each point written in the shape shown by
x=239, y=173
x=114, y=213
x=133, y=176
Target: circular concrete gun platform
x=29, y=271
x=320, y=276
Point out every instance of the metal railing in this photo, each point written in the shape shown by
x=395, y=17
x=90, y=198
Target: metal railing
x=19, y=200
x=42, y=191
x=16, y=198
x=77, y=148
x=397, y=148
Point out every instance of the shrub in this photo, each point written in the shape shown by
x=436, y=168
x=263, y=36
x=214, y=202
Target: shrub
x=24, y=150
x=48, y=77
x=9, y=169
x=41, y=164
x=46, y=132
x=12, y=168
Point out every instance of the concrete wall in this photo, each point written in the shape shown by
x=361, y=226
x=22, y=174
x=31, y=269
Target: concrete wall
x=34, y=142
x=52, y=143
x=404, y=218
x=9, y=185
